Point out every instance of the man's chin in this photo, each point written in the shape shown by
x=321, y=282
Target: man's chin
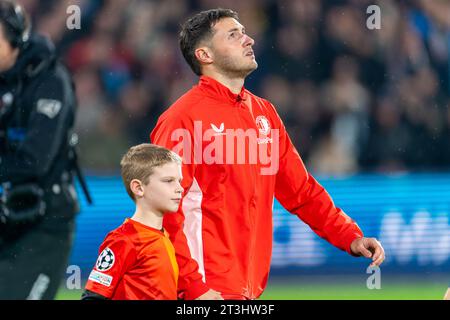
x=251, y=68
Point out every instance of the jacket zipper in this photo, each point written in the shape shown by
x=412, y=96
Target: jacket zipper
x=245, y=126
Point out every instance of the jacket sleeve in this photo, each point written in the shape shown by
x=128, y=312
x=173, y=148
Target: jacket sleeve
x=172, y=133
x=46, y=131
x=300, y=194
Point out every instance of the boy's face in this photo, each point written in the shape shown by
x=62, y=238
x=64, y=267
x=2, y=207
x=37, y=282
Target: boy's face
x=163, y=192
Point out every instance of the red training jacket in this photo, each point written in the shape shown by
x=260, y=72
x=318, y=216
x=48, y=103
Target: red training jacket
x=237, y=156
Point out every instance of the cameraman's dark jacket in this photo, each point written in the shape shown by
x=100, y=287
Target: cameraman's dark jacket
x=37, y=110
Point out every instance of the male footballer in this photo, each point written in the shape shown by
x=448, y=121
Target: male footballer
x=237, y=156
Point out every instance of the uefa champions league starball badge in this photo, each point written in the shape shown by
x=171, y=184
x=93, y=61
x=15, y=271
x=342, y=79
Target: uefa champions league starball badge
x=105, y=260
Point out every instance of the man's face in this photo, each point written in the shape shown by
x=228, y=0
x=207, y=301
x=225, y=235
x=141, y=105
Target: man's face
x=163, y=192
x=231, y=48
x=8, y=54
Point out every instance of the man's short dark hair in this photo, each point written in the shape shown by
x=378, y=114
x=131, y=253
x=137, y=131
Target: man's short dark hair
x=197, y=29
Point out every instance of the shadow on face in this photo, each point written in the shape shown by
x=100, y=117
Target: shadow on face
x=8, y=54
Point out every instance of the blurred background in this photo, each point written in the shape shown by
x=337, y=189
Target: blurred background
x=368, y=110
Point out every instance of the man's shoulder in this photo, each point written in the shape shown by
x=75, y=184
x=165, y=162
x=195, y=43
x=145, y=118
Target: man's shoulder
x=187, y=101
x=184, y=105
x=53, y=82
x=265, y=105
x=258, y=98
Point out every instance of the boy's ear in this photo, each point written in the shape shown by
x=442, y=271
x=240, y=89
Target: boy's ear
x=136, y=188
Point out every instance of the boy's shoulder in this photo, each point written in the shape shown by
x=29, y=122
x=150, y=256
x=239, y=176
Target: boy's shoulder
x=133, y=234
x=122, y=233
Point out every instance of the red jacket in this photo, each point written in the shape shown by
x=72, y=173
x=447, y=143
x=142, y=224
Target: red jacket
x=237, y=156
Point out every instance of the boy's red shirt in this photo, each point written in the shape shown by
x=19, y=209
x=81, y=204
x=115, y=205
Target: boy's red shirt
x=136, y=262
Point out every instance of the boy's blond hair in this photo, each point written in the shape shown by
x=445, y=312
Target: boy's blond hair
x=139, y=162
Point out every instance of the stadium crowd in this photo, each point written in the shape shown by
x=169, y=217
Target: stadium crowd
x=352, y=99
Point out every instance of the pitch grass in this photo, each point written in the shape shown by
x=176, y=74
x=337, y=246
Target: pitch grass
x=404, y=289
x=349, y=292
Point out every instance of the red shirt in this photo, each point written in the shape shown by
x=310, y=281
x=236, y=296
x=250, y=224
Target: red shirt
x=223, y=230
x=136, y=262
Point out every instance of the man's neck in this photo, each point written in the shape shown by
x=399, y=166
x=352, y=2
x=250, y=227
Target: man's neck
x=235, y=84
x=148, y=217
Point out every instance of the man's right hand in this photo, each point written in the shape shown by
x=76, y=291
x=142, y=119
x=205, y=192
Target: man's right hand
x=210, y=295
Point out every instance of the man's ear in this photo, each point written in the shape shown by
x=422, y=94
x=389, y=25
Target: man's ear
x=204, y=55
x=136, y=188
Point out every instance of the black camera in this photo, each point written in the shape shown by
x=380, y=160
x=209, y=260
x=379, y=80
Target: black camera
x=22, y=204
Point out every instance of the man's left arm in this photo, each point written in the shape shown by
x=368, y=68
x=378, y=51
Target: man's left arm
x=302, y=195
x=49, y=119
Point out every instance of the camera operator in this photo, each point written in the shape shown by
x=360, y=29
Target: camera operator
x=38, y=201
